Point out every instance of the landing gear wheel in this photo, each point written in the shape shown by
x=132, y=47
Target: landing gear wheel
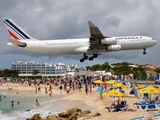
x=91, y=58
x=95, y=55
x=144, y=51
x=81, y=60
x=86, y=57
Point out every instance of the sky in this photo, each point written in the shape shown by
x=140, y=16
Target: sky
x=63, y=19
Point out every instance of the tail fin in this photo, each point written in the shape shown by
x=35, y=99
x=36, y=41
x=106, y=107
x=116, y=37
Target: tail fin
x=15, y=31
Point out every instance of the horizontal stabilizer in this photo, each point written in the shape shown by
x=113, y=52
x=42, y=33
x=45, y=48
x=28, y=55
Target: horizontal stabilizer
x=16, y=42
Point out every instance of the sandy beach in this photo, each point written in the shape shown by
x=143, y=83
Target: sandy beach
x=91, y=101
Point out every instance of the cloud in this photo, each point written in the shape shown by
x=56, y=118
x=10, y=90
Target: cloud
x=68, y=19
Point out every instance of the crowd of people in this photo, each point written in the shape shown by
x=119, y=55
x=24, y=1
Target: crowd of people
x=67, y=84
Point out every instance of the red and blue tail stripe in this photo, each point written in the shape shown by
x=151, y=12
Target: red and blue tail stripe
x=15, y=31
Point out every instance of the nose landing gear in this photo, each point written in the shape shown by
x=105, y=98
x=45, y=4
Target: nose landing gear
x=144, y=51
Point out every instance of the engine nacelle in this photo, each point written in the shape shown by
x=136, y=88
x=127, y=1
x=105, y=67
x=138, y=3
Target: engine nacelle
x=114, y=47
x=108, y=41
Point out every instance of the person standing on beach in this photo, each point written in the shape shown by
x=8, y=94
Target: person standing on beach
x=46, y=90
x=37, y=103
x=68, y=89
x=89, y=87
x=0, y=98
x=50, y=92
x=100, y=89
x=80, y=86
x=73, y=85
x=39, y=88
x=86, y=88
x=64, y=85
x=148, y=75
x=104, y=86
x=35, y=89
x=60, y=89
x=50, y=89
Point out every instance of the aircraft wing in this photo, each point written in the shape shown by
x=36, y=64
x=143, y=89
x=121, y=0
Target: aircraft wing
x=94, y=31
x=95, y=36
x=16, y=42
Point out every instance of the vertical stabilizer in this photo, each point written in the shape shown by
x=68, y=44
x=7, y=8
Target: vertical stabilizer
x=15, y=31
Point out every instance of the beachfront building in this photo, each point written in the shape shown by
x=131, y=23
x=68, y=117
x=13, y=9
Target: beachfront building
x=27, y=68
x=152, y=66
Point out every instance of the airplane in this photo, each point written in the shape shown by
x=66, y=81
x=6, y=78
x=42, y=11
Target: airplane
x=94, y=45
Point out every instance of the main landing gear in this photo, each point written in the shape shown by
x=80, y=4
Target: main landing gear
x=85, y=57
x=144, y=51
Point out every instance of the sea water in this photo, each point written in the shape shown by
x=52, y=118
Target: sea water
x=48, y=106
x=18, y=112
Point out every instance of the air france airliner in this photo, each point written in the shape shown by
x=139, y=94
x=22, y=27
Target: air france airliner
x=90, y=47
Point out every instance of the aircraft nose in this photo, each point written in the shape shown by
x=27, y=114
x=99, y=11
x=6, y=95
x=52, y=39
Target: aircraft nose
x=155, y=42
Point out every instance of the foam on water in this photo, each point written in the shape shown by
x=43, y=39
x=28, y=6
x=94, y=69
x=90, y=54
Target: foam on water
x=18, y=112
x=48, y=106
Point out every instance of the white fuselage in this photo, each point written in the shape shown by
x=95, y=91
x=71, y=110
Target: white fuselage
x=80, y=46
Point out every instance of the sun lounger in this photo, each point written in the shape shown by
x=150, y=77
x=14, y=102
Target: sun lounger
x=147, y=117
x=145, y=107
x=124, y=108
x=145, y=102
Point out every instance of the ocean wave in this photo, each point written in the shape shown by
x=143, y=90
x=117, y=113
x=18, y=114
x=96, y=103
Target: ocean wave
x=22, y=115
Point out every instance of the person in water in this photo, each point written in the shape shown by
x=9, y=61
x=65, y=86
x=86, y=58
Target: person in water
x=12, y=103
x=37, y=103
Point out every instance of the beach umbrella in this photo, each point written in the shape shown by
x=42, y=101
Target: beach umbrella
x=120, y=85
x=139, y=87
x=107, y=93
x=150, y=90
x=98, y=81
x=115, y=93
x=111, y=82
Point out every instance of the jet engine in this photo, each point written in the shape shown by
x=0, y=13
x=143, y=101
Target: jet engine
x=108, y=41
x=114, y=47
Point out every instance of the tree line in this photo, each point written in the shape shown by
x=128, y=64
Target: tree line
x=9, y=73
x=121, y=69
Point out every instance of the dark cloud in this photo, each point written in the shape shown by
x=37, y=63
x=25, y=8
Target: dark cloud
x=68, y=19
